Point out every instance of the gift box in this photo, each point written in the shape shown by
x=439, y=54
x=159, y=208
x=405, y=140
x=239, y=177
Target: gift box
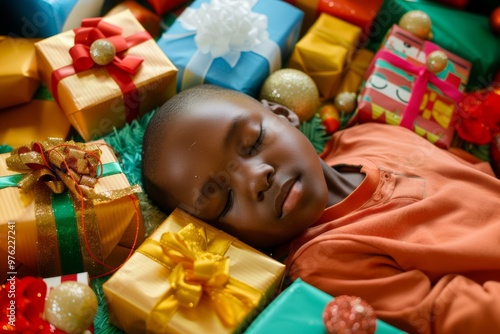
x=461, y=32
x=189, y=277
x=324, y=52
x=298, y=309
x=400, y=90
x=355, y=71
x=163, y=6
x=358, y=12
x=149, y=20
x=45, y=18
x=96, y=98
x=236, y=45
x=18, y=68
x=36, y=120
x=85, y=219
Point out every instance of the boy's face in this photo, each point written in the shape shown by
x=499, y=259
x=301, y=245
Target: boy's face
x=235, y=164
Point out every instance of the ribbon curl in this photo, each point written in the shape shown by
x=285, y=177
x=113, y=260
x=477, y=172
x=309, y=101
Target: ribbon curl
x=197, y=271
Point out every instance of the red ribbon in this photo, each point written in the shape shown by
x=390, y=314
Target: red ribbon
x=423, y=77
x=121, y=68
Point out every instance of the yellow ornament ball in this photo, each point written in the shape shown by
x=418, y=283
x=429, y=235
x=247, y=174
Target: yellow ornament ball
x=436, y=61
x=71, y=307
x=418, y=23
x=345, y=102
x=293, y=89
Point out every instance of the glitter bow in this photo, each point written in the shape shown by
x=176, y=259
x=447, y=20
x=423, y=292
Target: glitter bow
x=197, y=271
x=94, y=29
x=59, y=165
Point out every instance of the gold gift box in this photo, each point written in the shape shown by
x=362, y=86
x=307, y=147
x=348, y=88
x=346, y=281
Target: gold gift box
x=324, y=52
x=133, y=292
x=91, y=99
x=19, y=77
x=355, y=71
x=35, y=120
x=119, y=222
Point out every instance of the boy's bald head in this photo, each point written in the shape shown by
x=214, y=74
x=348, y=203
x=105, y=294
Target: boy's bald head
x=159, y=126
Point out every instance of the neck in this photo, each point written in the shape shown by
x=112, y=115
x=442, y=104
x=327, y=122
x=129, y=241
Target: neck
x=341, y=181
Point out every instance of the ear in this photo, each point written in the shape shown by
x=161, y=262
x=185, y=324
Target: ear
x=282, y=111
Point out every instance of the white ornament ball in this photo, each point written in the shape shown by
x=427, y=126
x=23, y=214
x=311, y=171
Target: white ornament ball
x=71, y=307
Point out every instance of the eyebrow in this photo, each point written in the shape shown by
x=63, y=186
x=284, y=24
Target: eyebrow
x=236, y=123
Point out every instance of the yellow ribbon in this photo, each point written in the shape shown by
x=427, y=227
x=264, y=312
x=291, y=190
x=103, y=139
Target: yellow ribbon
x=194, y=272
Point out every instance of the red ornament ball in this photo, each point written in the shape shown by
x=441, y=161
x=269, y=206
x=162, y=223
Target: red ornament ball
x=495, y=21
x=349, y=315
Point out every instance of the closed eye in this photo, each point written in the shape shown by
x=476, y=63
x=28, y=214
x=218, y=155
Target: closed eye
x=229, y=204
x=258, y=142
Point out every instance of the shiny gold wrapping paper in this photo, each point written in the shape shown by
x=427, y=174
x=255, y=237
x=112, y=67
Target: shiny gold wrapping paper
x=355, y=72
x=134, y=290
x=91, y=99
x=324, y=52
x=35, y=120
x=19, y=77
x=116, y=222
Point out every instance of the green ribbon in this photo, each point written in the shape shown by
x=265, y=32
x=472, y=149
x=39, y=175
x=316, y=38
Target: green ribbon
x=67, y=233
x=65, y=220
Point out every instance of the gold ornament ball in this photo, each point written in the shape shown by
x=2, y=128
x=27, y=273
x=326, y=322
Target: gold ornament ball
x=345, y=102
x=293, y=89
x=102, y=52
x=417, y=22
x=436, y=61
x=71, y=307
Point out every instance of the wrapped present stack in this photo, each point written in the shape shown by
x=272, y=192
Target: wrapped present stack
x=80, y=80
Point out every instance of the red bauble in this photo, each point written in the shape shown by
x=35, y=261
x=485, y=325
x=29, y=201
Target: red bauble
x=349, y=314
x=495, y=21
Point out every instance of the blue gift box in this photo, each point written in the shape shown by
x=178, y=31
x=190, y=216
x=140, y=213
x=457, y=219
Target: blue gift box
x=45, y=18
x=251, y=69
x=299, y=309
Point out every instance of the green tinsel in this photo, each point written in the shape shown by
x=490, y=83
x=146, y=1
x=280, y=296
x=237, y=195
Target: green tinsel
x=5, y=148
x=314, y=130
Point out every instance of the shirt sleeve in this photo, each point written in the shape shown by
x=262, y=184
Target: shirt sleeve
x=407, y=299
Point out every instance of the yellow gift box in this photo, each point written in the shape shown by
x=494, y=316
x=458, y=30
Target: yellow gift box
x=146, y=296
x=355, y=71
x=19, y=77
x=324, y=52
x=96, y=98
x=35, y=120
x=47, y=232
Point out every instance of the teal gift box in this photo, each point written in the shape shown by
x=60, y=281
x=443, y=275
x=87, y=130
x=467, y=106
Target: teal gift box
x=466, y=34
x=299, y=309
x=233, y=44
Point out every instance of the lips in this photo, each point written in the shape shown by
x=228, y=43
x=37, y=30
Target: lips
x=283, y=193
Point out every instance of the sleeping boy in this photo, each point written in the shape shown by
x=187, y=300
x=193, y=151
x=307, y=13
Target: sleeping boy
x=381, y=214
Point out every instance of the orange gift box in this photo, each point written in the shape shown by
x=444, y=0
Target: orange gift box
x=358, y=12
x=97, y=98
x=18, y=68
x=155, y=291
x=45, y=232
x=149, y=20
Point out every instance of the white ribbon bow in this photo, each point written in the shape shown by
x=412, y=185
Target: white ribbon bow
x=225, y=28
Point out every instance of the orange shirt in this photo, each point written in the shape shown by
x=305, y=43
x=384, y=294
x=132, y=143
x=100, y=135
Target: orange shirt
x=419, y=239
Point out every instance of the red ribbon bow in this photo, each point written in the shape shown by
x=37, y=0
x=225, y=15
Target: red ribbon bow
x=22, y=304
x=121, y=68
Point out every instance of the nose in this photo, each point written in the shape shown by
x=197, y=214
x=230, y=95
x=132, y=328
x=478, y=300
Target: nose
x=258, y=178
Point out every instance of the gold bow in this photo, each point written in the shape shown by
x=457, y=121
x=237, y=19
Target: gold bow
x=195, y=271
x=58, y=164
